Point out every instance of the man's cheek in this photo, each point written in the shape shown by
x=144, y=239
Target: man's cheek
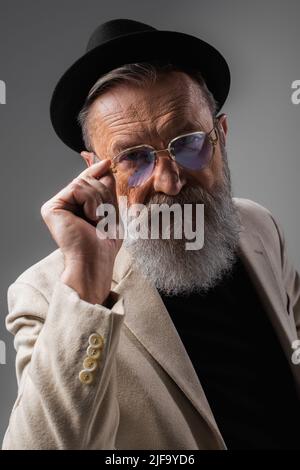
x=134, y=195
x=123, y=190
x=121, y=185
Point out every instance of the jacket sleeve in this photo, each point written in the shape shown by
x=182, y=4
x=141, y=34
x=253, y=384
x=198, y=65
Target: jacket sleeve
x=63, y=403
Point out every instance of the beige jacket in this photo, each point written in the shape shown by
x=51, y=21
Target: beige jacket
x=145, y=393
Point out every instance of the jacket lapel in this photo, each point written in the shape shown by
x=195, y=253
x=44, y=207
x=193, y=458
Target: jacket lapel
x=149, y=321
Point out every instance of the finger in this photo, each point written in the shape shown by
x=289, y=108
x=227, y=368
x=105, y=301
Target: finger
x=88, y=199
x=66, y=198
x=106, y=194
x=90, y=209
x=103, y=173
x=97, y=169
x=107, y=180
x=107, y=191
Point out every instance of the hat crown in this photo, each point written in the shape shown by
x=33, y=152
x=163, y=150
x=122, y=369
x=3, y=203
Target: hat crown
x=124, y=41
x=116, y=28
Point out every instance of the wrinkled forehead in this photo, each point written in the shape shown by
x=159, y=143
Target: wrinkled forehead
x=173, y=94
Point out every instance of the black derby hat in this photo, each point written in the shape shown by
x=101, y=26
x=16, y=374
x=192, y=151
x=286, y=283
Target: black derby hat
x=119, y=42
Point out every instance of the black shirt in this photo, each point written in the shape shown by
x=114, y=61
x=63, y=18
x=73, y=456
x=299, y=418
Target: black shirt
x=240, y=363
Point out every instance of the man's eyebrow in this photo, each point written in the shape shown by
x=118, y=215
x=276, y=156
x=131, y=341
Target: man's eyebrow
x=121, y=145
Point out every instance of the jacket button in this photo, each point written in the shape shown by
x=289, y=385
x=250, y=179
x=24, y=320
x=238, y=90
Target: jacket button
x=96, y=340
x=90, y=364
x=85, y=377
x=94, y=353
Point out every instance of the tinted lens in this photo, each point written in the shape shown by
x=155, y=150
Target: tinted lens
x=137, y=165
x=192, y=151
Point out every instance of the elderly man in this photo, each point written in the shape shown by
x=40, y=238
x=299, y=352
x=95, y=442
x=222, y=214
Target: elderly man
x=145, y=344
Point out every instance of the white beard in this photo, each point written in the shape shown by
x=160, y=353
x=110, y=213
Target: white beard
x=174, y=270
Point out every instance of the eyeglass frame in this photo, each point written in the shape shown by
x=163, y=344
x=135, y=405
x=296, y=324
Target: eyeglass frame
x=213, y=142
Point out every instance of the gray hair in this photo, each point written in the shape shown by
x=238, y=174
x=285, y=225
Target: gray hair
x=141, y=74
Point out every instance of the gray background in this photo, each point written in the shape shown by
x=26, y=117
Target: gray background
x=40, y=39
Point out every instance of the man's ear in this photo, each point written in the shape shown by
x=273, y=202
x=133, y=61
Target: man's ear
x=89, y=157
x=223, y=126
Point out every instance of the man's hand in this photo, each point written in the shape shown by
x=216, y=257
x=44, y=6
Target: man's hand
x=71, y=218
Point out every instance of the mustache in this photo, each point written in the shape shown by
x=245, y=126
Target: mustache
x=187, y=195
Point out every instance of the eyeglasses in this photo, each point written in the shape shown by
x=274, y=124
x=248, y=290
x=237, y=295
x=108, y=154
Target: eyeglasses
x=192, y=151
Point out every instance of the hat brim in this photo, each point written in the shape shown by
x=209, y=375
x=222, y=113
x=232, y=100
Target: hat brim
x=179, y=48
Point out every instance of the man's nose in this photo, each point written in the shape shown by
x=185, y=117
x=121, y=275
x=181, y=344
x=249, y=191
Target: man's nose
x=168, y=177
